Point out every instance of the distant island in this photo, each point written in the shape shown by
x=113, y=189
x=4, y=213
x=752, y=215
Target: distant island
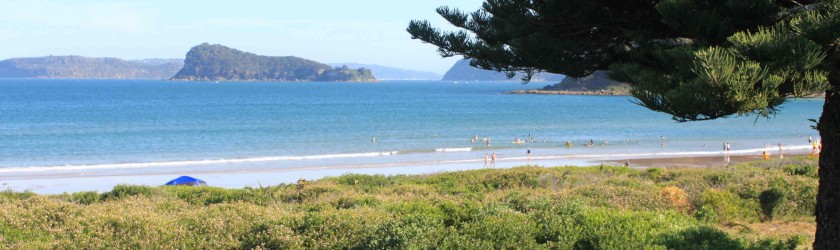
x=391, y=73
x=215, y=62
x=594, y=84
x=462, y=71
x=80, y=67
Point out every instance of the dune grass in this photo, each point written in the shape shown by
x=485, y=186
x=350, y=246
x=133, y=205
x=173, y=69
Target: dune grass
x=760, y=205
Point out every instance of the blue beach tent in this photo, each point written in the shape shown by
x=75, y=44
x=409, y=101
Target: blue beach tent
x=186, y=181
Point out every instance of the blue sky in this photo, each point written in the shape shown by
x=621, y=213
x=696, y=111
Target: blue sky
x=329, y=31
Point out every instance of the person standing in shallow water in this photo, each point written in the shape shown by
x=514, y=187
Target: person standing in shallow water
x=493, y=160
x=529, y=156
x=781, y=156
x=485, y=159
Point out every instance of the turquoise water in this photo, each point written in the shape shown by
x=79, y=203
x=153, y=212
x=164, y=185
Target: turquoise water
x=74, y=125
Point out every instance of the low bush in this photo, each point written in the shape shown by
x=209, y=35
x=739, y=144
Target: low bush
x=771, y=200
x=122, y=191
x=600, y=207
x=803, y=170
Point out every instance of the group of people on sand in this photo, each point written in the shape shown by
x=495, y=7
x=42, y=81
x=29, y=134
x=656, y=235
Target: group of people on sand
x=492, y=158
x=816, y=148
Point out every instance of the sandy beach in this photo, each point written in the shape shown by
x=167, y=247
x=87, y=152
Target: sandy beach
x=263, y=174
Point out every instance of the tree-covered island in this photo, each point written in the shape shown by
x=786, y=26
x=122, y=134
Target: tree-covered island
x=207, y=62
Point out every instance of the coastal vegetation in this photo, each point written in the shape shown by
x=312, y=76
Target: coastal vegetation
x=692, y=59
x=760, y=205
x=79, y=67
x=381, y=72
x=595, y=82
x=207, y=62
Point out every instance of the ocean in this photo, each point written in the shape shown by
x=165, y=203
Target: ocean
x=69, y=126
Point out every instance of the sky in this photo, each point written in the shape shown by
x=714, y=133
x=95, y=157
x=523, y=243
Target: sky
x=328, y=31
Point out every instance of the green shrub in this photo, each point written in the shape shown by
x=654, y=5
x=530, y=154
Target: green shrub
x=719, y=179
x=271, y=236
x=502, y=228
x=776, y=244
x=702, y=237
x=721, y=206
x=8, y=194
x=659, y=175
x=803, y=170
x=654, y=173
x=122, y=191
x=347, y=202
x=364, y=182
x=610, y=229
x=770, y=201
x=85, y=198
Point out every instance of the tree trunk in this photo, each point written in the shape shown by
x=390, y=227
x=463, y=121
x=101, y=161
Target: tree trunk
x=828, y=197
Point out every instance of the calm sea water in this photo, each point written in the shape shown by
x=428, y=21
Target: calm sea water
x=75, y=125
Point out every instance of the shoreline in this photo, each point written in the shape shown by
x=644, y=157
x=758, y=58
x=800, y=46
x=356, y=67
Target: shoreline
x=49, y=182
x=567, y=92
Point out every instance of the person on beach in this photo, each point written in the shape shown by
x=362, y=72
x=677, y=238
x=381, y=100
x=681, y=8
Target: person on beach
x=728, y=148
x=765, y=155
x=485, y=159
x=810, y=139
x=529, y=156
x=568, y=144
x=493, y=160
x=781, y=156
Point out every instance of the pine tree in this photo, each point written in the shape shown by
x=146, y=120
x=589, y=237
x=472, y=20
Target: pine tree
x=693, y=59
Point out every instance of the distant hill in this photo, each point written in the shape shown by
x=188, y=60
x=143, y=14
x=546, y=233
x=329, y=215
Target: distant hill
x=88, y=67
x=462, y=71
x=391, y=73
x=159, y=61
x=207, y=62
